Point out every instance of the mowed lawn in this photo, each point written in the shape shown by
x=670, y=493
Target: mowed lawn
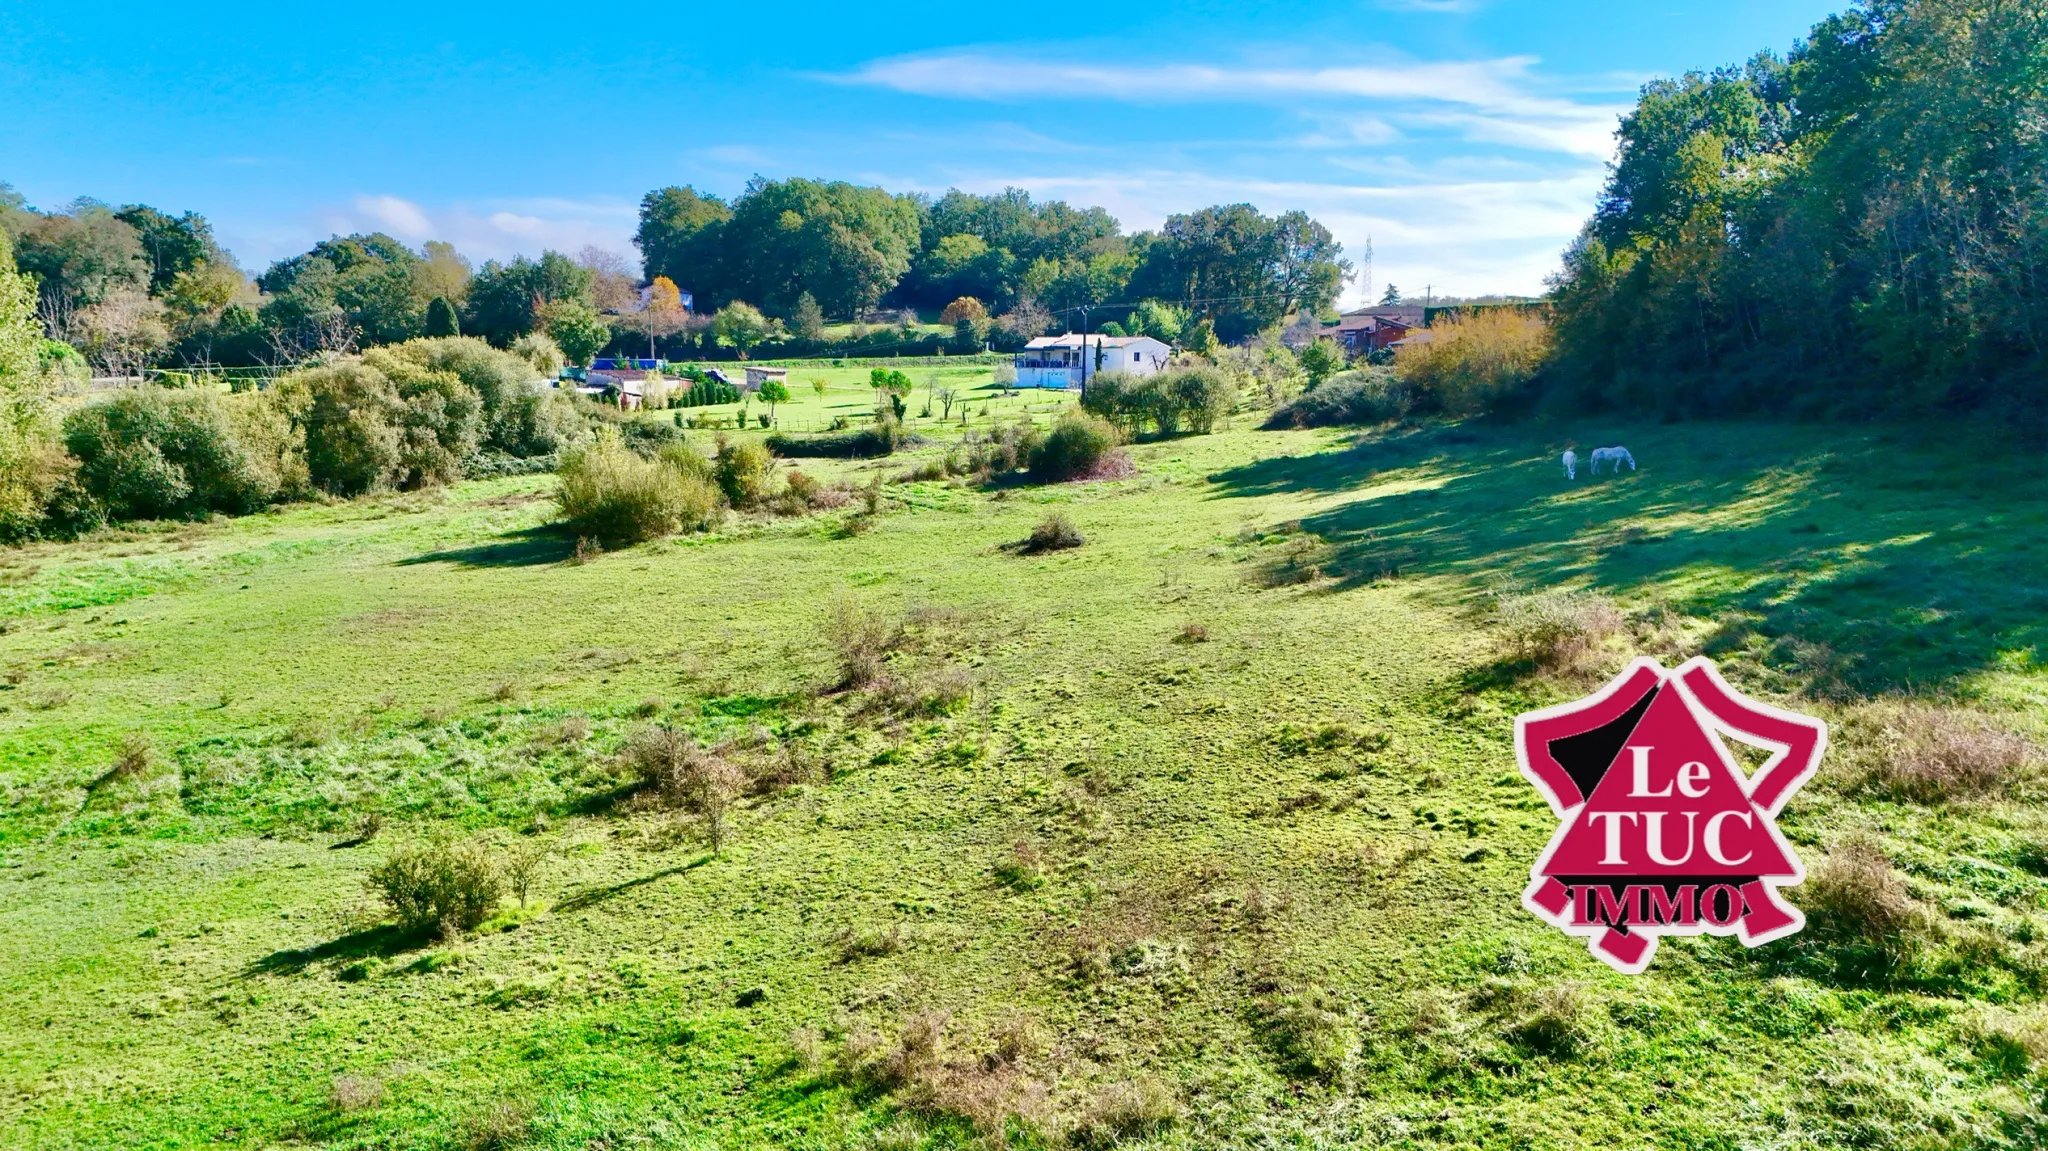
x=1228, y=808
x=849, y=395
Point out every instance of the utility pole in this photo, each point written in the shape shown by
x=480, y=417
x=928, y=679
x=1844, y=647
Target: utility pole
x=1084, y=352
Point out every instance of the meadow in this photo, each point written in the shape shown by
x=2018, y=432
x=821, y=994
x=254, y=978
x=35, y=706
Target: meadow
x=849, y=395
x=1204, y=833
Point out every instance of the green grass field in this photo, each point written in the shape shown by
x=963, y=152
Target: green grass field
x=1229, y=809
x=848, y=394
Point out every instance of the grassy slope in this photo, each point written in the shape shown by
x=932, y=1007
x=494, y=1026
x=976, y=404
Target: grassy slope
x=186, y=960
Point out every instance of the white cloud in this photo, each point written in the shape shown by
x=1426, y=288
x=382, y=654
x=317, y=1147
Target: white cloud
x=1493, y=101
x=402, y=218
x=493, y=231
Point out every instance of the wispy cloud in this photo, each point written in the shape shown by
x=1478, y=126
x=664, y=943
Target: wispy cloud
x=498, y=230
x=1498, y=101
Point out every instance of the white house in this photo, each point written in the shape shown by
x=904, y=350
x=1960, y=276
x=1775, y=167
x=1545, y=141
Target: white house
x=1064, y=361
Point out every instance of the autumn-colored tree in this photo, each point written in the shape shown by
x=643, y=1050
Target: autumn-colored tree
x=964, y=308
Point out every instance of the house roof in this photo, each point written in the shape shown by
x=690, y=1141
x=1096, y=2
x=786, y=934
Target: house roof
x=1409, y=314
x=1073, y=340
x=1359, y=322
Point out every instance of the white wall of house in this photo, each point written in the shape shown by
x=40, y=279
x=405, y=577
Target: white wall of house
x=1059, y=363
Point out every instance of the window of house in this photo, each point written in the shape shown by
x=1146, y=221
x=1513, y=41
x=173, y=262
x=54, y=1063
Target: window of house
x=1135, y=357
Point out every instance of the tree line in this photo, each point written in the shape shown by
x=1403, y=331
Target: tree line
x=1859, y=227
x=803, y=250
x=133, y=286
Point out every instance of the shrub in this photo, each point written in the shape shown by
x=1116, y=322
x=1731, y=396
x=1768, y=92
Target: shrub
x=1557, y=627
x=1077, y=445
x=1467, y=364
x=1196, y=397
x=519, y=418
x=613, y=494
x=134, y=758
x=1854, y=891
x=878, y=439
x=543, y=353
x=365, y=430
x=744, y=471
x=1929, y=754
x=439, y=883
x=1204, y=395
x=688, y=776
x=1368, y=396
x=154, y=453
x=439, y=420
x=704, y=392
x=1054, y=533
x=861, y=636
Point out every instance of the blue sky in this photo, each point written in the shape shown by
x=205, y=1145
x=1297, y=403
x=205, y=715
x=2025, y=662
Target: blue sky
x=1467, y=138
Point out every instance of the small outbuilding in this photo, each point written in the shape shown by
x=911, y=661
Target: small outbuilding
x=758, y=376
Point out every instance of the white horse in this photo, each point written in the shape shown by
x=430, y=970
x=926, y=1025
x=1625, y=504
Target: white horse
x=1615, y=457
x=1571, y=464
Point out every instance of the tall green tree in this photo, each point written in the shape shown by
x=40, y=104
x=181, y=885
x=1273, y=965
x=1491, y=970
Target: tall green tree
x=174, y=245
x=679, y=236
x=504, y=298
x=1242, y=270
x=441, y=319
x=846, y=245
x=742, y=326
x=576, y=328
x=1866, y=219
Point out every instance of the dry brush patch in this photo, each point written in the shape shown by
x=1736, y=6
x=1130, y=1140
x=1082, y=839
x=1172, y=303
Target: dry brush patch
x=1931, y=754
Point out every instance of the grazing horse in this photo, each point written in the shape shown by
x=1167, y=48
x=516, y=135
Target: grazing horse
x=1571, y=464
x=1615, y=456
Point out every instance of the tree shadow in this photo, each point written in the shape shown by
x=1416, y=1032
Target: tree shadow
x=591, y=897
x=1894, y=559
x=527, y=547
x=380, y=942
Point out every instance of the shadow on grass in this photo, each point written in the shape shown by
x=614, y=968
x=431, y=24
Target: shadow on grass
x=1879, y=560
x=379, y=942
x=528, y=547
x=596, y=895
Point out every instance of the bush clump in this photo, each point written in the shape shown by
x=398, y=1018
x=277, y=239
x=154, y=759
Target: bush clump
x=1054, y=533
x=1468, y=364
x=685, y=775
x=1366, y=396
x=156, y=453
x=878, y=439
x=744, y=472
x=861, y=636
x=366, y=431
x=519, y=417
x=1080, y=446
x=611, y=493
x=1553, y=629
x=441, y=884
x=1190, y=398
